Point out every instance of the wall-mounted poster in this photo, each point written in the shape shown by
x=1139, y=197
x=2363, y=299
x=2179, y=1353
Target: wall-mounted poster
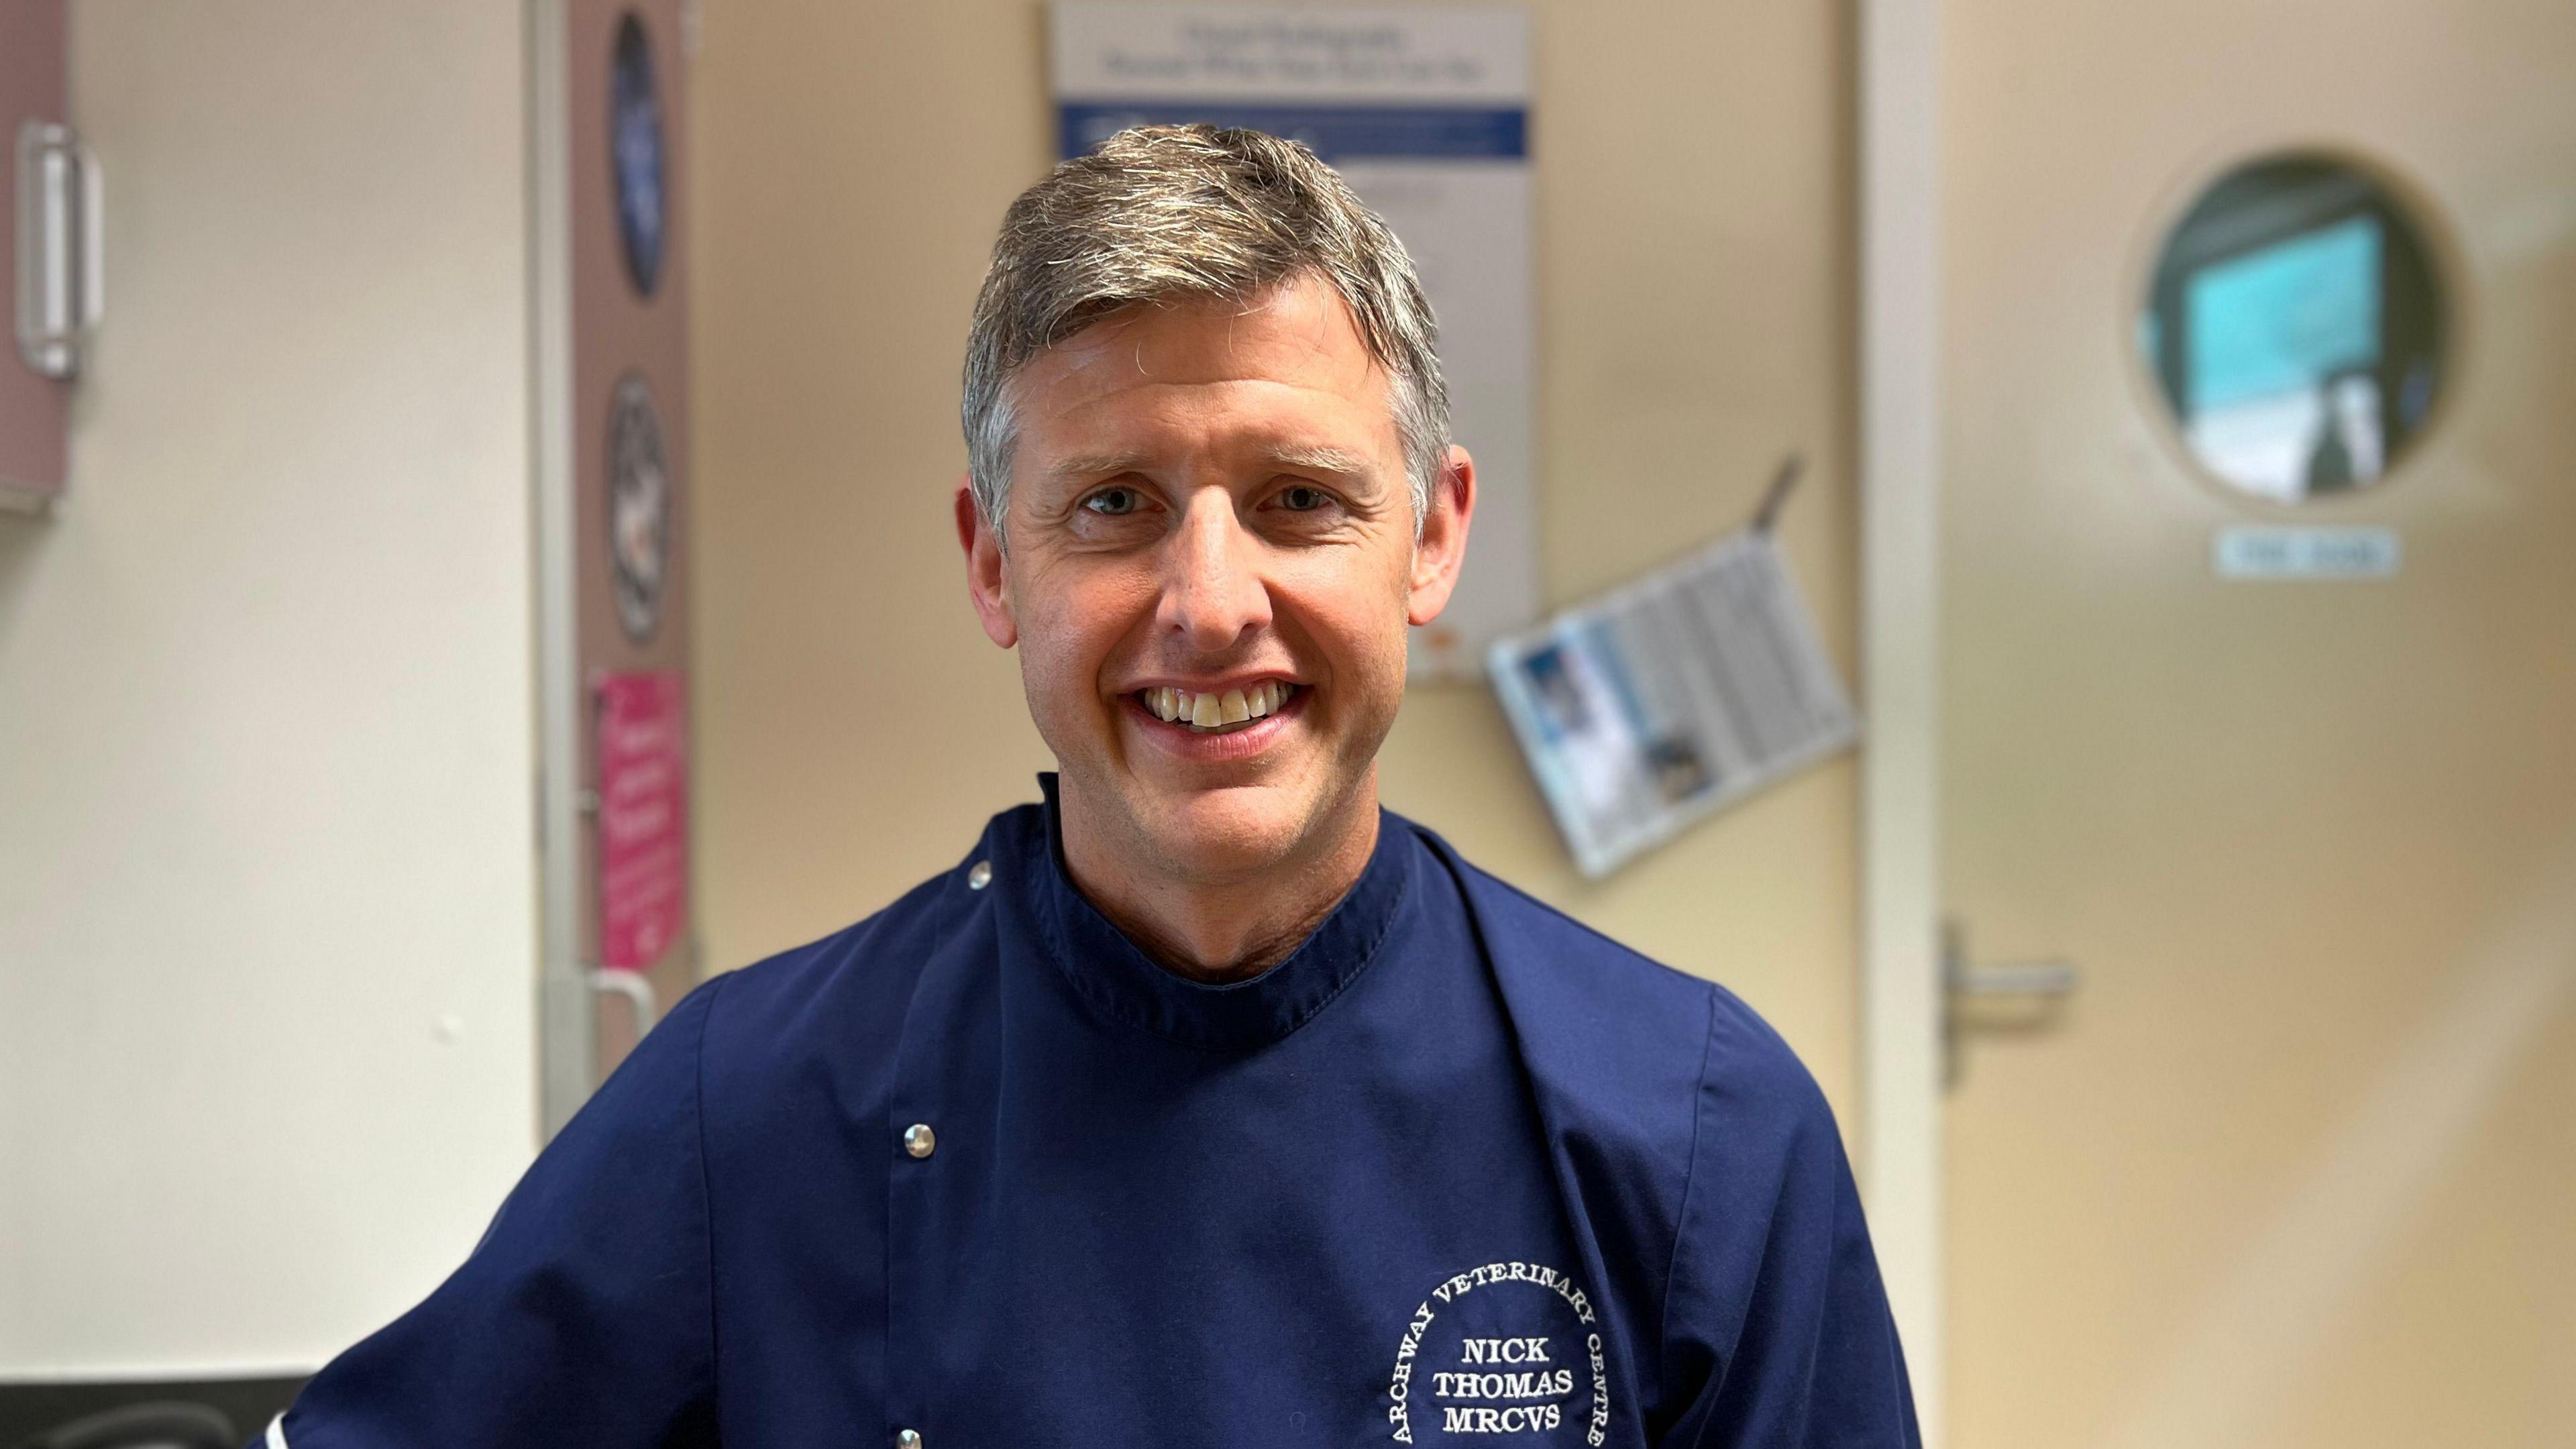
x=1426, y=113
x=643, y=818
x=1674, y=696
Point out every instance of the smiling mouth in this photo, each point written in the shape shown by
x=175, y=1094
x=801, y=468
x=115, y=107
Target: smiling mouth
x=1211, y=712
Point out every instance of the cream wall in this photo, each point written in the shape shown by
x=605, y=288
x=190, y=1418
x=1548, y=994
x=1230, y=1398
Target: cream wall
x=266, y=913
x=854, y=728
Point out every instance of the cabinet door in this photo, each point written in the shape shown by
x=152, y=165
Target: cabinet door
x=34, y=408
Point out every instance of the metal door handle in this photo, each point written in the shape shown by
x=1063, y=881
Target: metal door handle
x=2047, y=983
x=636, y=989
x=2033, y=978
x=62, y=251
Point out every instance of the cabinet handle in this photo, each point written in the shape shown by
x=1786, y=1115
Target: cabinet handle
x=62, y=251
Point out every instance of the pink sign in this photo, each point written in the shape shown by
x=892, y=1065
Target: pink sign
x=643, y=818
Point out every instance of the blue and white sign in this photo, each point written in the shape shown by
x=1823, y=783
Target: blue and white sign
x=2248, y=552
x=1426, y=113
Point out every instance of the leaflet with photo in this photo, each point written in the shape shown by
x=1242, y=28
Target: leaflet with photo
x=1662, y=701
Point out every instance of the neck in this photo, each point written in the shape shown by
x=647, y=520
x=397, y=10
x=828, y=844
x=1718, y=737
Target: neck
x=1221, y=927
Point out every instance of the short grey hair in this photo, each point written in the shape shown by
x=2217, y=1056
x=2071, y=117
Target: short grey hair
x=1167, y=213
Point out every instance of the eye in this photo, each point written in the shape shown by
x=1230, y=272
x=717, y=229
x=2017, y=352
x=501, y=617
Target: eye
x=1114, y=502
x=1304, y=498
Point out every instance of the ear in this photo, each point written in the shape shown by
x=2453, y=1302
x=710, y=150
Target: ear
x=987, y=586
x=1443, y=547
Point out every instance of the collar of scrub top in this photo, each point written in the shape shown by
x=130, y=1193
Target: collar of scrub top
x=1120, y=980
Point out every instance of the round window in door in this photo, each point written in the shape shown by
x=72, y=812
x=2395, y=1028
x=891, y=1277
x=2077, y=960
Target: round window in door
x=2296, y=327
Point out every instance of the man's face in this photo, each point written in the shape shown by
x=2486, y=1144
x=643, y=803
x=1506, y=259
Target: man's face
x=1211, y=564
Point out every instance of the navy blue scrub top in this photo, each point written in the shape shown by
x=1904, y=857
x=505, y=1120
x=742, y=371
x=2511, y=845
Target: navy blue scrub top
x=977, y=1172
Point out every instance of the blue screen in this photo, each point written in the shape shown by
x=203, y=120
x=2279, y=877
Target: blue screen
x=2284, y=317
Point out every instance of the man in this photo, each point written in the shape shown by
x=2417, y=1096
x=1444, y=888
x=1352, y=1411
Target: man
x=1205, y=1104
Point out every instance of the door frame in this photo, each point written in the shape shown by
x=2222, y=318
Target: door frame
x=1900, y=477
x=567, y=1010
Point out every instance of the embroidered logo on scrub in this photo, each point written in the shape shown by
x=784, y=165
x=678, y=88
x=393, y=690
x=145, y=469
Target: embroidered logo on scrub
x=1506, y=1349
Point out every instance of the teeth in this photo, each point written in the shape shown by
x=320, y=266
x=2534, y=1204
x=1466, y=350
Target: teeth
x=1211, y=710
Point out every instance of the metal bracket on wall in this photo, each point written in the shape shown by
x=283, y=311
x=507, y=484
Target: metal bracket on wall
x=62, y=271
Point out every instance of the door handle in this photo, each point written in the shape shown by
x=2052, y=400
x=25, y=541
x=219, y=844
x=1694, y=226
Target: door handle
x=62, y=252
x=2044, y=985
x=635, y=988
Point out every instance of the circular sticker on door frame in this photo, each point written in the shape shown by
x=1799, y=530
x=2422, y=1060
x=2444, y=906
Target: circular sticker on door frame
x=639, y=508
x=636, y=157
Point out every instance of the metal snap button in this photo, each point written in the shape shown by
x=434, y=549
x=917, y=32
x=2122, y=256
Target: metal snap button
x=919, y=1140
x=980, y=876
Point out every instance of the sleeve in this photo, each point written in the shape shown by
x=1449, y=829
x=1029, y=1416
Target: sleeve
x=586, y=1314
x=1775, y=1315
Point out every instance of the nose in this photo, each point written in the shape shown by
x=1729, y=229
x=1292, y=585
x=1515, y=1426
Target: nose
x=1213, y=593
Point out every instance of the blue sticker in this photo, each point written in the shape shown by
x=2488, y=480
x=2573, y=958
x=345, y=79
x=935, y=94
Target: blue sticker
x=635, y=154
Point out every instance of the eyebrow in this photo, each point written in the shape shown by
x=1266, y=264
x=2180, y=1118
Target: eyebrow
x=1095, y=465
x=1341, y=462
x=1318, y=458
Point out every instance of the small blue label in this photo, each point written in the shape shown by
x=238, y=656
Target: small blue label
x=1336, y=133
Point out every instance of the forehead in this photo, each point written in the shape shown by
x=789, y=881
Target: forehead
x=1286, y=366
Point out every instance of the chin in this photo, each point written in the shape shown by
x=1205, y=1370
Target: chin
x=1229, y=833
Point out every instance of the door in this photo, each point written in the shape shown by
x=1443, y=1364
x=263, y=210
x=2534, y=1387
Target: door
x=610, y=156
x=35, y=402
x=2296, y=1165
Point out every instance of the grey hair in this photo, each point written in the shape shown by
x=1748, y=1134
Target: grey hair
x=1163, y=213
